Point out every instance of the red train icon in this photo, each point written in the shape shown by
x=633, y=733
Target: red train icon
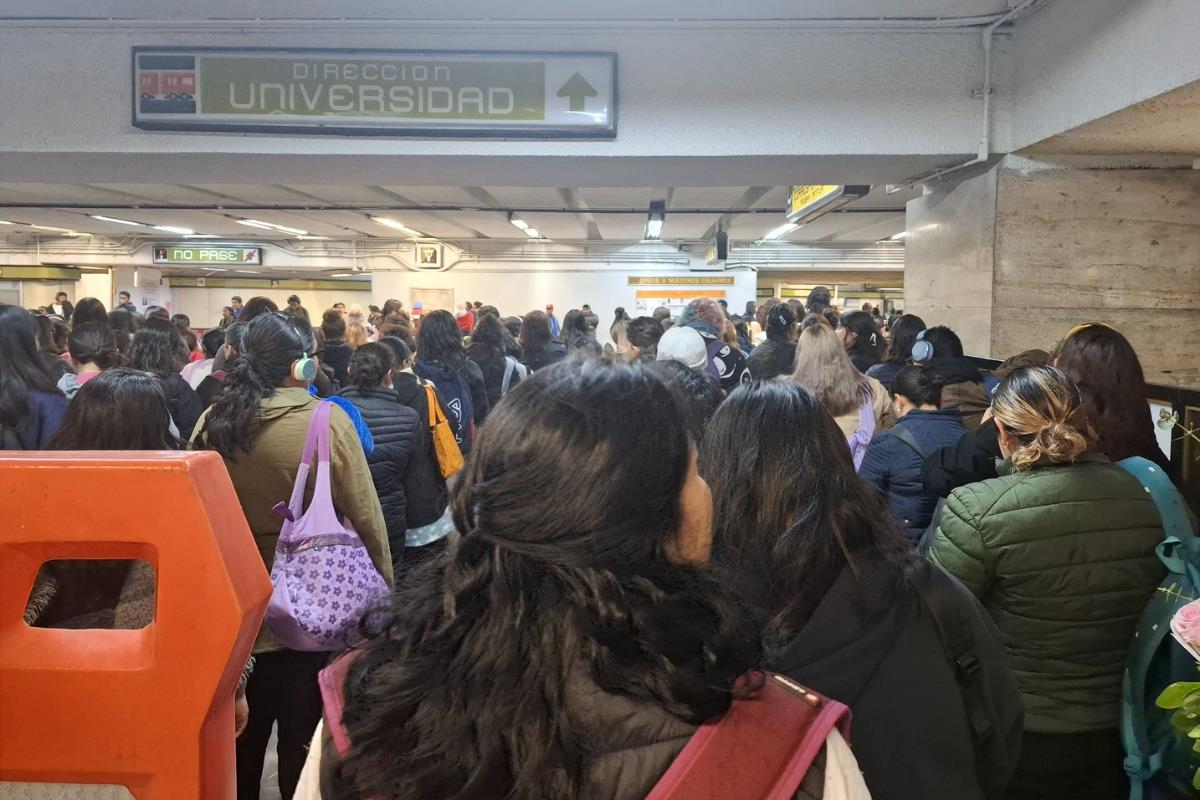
x=167, y=85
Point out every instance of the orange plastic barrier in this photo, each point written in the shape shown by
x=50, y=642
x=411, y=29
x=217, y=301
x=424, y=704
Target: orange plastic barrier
x=151, y=709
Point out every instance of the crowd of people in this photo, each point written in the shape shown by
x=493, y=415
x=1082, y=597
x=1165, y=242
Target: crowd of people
x=640, y=525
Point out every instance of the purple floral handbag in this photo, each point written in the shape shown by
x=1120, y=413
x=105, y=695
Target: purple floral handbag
x=323, y=575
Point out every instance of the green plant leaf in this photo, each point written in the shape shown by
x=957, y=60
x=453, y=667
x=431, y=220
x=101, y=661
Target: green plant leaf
x=1196, y=780
x=1181, y=722
x=1174, y=695
x=1196, y=746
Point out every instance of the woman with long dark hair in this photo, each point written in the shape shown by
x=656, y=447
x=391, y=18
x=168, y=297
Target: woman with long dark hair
x=1060, y=548
x=571, y=641
x=442, y=360
x=394, y=429
x=89, y=309
x=158, y=348
x=1112, y=387
x=840, y=593
x=575, y=334
x=31, y=406
x=489, y=351
x=258, y=424
x=901, y=338
x=862, y=339
x=538, y=348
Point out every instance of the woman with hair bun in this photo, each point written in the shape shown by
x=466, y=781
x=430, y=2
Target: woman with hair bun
x=895, y=458
x=1060, y=548
x=777, y=355
x=394, y=430
x=93, y=349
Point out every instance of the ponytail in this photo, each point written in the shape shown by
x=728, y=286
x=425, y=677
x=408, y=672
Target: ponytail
x=93, y=343
x=269, y=348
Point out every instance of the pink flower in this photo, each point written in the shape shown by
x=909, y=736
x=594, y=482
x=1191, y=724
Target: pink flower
x=1185, y=627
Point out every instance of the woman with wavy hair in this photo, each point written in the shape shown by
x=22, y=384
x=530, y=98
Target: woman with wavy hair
x=258, y=424
x=159, y=348
x=572, y=640
x=1060, y=548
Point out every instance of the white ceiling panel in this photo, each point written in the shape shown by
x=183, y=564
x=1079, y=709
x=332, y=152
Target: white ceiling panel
x=617, y=198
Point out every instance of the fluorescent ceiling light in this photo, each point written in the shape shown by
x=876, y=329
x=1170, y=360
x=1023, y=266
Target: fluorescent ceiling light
x=103, y=218
x=898, y=236
x=174, y=229
x=309, y=237
x=779, y=232
x=655, y=221
x=6, y=222
x=271, y=226
x=350, y=275
x=397, y=225
x=517, y=221
x=67, y=231
x=247, y=271
x=533, y=233
x=215, y=269
x=201, y=236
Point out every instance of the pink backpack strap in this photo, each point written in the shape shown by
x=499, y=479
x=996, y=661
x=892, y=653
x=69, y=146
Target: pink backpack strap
x=761, y=749
x=332, y=681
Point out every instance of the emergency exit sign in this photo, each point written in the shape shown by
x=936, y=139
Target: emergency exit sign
x=172, y=254
x=466, y=94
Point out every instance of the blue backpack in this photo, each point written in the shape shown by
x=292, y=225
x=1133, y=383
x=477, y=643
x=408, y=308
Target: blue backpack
x=456, y=396
x=1160, y=762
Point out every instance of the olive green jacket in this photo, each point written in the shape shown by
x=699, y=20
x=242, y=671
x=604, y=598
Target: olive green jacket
x=1062, y=556
x=265, y=475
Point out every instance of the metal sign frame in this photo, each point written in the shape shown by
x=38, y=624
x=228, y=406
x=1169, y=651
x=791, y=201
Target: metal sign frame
x=514, y=132
x=154, y=248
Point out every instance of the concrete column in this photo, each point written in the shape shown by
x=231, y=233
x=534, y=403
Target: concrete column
x=1016, y=256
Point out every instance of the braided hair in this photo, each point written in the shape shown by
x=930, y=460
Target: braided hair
x=560, y=571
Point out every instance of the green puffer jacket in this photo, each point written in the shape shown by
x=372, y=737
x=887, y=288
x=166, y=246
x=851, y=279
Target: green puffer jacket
x=1062, y=556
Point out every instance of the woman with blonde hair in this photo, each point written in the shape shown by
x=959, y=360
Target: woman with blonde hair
x=356, y=335
x=858, y=404
x=1060, y=548
x=356, y=316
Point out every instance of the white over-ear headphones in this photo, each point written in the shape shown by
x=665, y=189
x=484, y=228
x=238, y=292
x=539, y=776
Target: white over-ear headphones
x=922, y=350
x=304, y=369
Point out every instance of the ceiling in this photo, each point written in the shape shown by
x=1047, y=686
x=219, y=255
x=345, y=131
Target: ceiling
x=1168, y=124
x=674, y=10
x=454, y=214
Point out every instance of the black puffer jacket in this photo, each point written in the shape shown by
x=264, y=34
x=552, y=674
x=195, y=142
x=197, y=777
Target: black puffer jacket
x=423, y=483
x=394, y=428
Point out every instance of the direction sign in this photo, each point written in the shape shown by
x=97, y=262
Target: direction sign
x=464, y=94
x=206, y=254
x=809, y=201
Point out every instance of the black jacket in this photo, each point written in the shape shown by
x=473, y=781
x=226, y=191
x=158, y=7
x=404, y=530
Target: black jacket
x=337, y=354
x=184, y=403
x=423, y=484
x=537, y=359
x=492, y=366
x=972, y=460
x=893, y=672
x=395, y=429
x=771, y=359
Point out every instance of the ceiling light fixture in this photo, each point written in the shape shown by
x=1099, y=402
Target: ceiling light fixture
x=309, y=237
x=174, y=229
x=397, y=225
x=66, y=231
x=350, y=275
x=103, y=218
x=898, y=236
x=533, y=233
x=201, y=236
x=271, y=226
x=779, y=232
x=516, y=221
x=6, y=222
x=655, y=221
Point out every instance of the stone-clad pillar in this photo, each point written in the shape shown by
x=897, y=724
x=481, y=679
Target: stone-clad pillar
x=1014, y=257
